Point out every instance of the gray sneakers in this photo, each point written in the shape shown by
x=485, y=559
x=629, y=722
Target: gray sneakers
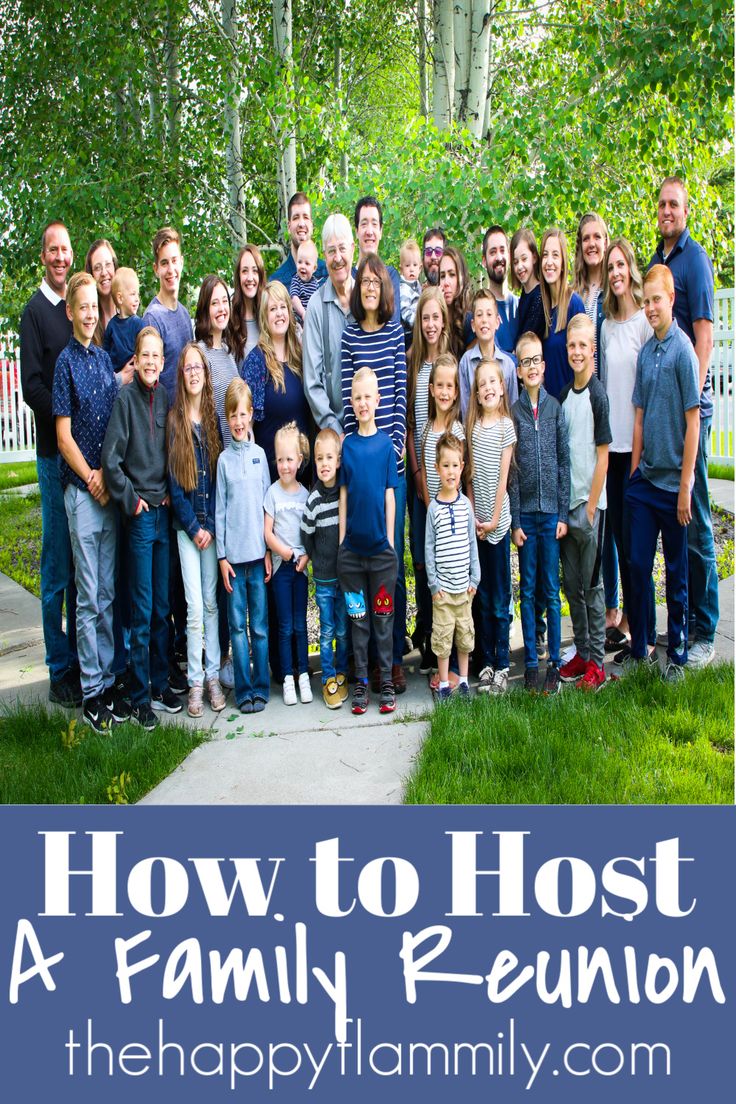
x=500, y=681
x=485, y=681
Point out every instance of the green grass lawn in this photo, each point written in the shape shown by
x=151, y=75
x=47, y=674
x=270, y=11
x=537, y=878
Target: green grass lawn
x=46, y=758
x=20, y=539
x=18, y=475
x=720, y=471
x=636, y=742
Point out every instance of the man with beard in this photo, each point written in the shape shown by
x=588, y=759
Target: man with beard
x=496, y=263
x=433, y=246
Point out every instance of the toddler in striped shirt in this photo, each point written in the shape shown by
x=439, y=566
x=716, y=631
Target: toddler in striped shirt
x=453, y=568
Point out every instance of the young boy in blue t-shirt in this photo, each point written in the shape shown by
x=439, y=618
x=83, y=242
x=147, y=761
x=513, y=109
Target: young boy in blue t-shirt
x=366, y=561
x=666, y=433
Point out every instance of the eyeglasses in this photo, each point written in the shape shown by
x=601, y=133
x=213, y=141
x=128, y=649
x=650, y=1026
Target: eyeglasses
x=529, y=362
x=369, y=283
x=187, y=369
x=434, y=250
x=99, y=268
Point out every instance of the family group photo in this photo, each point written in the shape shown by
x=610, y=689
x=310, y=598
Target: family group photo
x=367, y=406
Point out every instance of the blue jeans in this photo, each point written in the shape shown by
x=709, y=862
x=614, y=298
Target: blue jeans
x=610, y=565
x=702, y=571
x=148, y=575
x=400, y=591
x=493, y=602
x=248, y=613
x=333, y=625
x=290, y=593
x=93, y=534
x=57, y=572
x=540, y=552
x=653, y=511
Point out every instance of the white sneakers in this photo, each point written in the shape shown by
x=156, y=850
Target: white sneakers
x=289, y=690
x=305, y=689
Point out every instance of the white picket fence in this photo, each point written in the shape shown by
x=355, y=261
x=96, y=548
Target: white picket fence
x=18, y=432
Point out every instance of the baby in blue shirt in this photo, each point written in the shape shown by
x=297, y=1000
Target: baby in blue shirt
x=124, y=327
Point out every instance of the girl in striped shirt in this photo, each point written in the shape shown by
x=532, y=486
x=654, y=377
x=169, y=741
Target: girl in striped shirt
x=443, y=416
x=491, y=438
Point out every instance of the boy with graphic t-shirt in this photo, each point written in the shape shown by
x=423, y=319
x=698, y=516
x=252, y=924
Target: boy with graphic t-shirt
x=585, y=406
x=366, y=561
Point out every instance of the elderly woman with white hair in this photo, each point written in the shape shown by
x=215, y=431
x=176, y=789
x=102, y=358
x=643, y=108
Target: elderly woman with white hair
x=327, y=315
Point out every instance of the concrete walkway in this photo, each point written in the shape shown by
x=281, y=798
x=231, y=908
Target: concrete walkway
x=304, y=754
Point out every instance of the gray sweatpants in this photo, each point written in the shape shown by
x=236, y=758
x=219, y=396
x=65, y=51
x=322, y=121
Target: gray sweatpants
x=580, y=553
x=368, y=584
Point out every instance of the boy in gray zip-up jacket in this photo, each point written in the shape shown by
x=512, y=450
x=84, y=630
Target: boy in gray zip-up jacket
x=539, y=492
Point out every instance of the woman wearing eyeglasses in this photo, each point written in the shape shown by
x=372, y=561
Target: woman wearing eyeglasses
x=102, y=263
x=375, y=341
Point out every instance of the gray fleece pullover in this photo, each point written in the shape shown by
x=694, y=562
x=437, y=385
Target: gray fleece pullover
x=539, y=480
x=242, y=481
x=134, y=449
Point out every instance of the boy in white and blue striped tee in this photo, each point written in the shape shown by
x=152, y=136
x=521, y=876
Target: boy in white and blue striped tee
x=453, y=567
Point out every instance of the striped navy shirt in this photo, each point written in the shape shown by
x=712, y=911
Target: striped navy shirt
x=450, y=549
x=429, y=454
x=488, y=445
x=383, y=351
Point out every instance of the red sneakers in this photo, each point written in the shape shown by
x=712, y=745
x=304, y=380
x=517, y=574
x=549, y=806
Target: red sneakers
x=572, y=671
x=593, y=678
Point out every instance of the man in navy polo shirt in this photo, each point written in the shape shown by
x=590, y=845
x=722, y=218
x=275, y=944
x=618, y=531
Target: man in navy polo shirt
x=692, y=271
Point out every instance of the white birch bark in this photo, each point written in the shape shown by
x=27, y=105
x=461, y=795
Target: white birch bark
x=234, y=155
x=423, y=74
x=286, y=135
x=487, y=106
x=443, y=85
x=478, y=77
x=461, y=23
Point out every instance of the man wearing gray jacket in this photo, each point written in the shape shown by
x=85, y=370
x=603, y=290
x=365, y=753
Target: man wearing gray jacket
x=327, y=315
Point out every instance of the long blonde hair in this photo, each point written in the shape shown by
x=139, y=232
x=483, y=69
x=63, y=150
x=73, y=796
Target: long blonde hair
x=475, y=410
x=274, y=367
x=564, y=291
x=418, y=354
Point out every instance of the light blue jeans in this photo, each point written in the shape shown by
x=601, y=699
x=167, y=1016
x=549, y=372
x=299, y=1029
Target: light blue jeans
x=93, y=536
x=199, y=571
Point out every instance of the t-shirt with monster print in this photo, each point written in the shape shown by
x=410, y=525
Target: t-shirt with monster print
x=367, y=469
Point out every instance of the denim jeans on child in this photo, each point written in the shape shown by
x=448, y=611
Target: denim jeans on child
x=492, y=634
x=290, y=593
x=653, y=511
x=199, y=572
x=148, y=573
x=93, y=533
x=248, y=614
x=540, y=553
x=57, y=572
x=333, y=626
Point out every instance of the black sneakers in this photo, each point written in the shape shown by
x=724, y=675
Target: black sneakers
x=552, y=679
x=96, y=714
x=66, y=691
x=117, y=705
x=166, y=701
x=144, y=716
x=177, y=681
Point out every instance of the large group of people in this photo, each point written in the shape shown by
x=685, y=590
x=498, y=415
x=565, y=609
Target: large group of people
x=191, y=471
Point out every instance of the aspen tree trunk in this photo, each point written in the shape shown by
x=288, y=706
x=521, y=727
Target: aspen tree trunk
x=173, y=78
x=423, y=74
x=478, y=77
x=489, y=80
x=286, y=134
x=234, y=155
x=443, y=84
x=461, y=20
